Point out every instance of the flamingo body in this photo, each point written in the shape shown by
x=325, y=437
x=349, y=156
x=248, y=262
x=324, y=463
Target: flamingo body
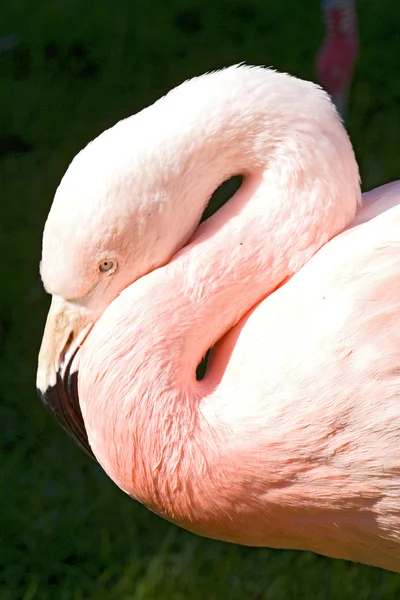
x=291, y=440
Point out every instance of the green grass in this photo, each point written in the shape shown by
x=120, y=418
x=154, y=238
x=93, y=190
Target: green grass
x=67, y=533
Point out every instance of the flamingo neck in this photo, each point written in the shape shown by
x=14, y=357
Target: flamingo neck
x=141, y=402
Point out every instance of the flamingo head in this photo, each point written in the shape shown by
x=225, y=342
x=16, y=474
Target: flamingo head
x=113, y=220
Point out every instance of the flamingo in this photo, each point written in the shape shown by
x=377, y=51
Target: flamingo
x=336, y=58
x=292, y=437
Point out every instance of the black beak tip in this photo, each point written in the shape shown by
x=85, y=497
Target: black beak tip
x=62, y=401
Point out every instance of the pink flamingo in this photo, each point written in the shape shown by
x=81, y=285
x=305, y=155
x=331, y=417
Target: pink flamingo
x=338, y=53
x=292, y=439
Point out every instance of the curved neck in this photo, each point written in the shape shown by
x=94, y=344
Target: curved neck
x=137, y=373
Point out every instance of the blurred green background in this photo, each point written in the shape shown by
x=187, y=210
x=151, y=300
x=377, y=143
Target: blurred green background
x=75, y=68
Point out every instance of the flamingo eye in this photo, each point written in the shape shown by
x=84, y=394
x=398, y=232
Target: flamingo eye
x=107, y=266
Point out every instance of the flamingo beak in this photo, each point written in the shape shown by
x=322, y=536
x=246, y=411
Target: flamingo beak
x=57, y=374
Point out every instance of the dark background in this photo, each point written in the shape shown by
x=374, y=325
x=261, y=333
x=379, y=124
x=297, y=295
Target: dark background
x=68, y=70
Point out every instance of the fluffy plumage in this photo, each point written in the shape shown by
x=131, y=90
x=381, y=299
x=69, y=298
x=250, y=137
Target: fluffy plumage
x=292, y=439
